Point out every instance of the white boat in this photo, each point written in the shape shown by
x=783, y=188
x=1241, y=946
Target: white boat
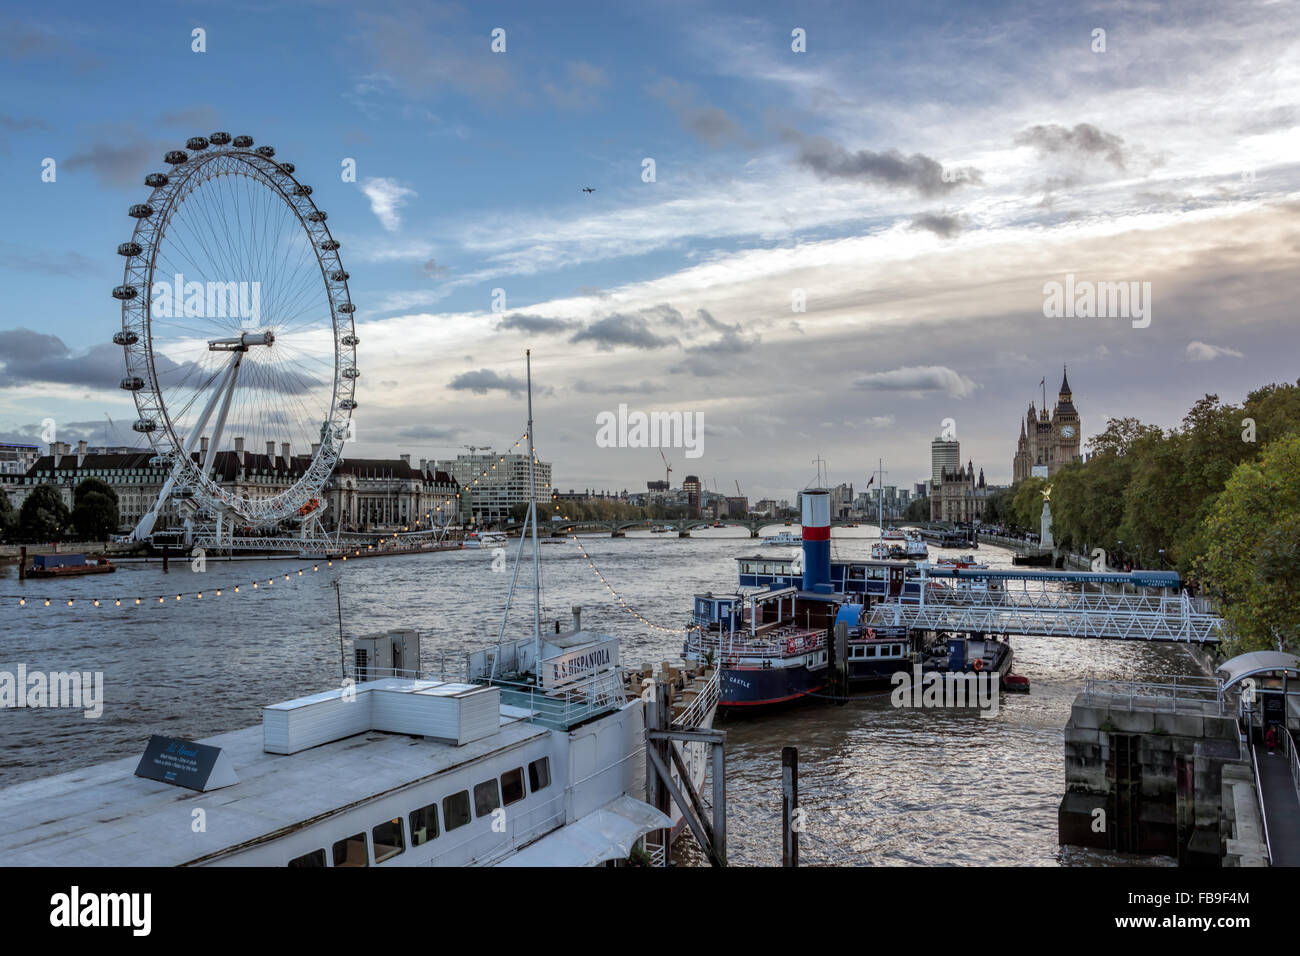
x=783, y=539
x=486, y=539
x=917, y=549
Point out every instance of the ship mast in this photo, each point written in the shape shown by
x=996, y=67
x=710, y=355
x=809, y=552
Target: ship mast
x=532, y=510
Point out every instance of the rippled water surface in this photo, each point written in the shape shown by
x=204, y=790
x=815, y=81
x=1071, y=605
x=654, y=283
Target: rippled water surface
x=881, y=786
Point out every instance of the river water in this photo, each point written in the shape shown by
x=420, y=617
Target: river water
x=880, y=786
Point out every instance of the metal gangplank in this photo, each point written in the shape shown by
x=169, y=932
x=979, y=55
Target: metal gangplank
x=1277, y=784
x=1042, y=607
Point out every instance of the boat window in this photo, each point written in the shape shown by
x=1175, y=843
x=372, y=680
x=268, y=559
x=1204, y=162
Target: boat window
x=486, y=797
x=351, y=851
x=512, y=786
x=870, y=651
x=314, y=858
x=455, y=810
x=388, y=840
x=424, y=824
x=539, y=774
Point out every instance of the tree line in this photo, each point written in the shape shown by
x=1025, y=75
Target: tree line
x=1216, y=498
x=43, y=517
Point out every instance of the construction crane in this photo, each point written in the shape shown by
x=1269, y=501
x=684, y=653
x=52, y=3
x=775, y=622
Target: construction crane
x=739, y=493
x=474, y=448
x=668, y=469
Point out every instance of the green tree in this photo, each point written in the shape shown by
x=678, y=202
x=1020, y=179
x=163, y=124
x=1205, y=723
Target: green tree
x=1251, y=561
x=94, y=510
x=8, y=517
x=43, y=516
x=917, y=510
x=1027, y=503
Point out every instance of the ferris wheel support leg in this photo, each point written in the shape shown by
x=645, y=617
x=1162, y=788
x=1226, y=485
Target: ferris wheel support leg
x=145, y=528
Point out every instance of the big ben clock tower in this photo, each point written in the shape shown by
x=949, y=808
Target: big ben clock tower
x=1065, y=428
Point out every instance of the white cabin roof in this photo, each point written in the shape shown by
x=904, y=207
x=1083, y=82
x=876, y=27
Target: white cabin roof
x=104, y=815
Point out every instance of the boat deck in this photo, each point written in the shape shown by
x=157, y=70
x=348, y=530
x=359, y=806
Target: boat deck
x=104, y=815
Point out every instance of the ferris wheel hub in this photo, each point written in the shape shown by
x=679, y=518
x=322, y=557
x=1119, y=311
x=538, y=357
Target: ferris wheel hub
x=242, y=342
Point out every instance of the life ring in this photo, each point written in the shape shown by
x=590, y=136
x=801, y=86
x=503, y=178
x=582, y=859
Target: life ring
x=871, y=632
x=789, y=645
x=978, y=664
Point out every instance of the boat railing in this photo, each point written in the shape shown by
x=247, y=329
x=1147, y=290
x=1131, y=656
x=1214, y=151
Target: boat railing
x=558, y=708
x=1289, y=741
x=1177, y=690
x=735, y=644
x=705, y=700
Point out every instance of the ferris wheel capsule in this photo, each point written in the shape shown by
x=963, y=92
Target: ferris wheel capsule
x=125, y=338
x=155, y=180
x=129, y=249
x=141, y=210
x=267, y=151
x=196, y=143
x=242, y=142
x=175, y=157
x=125, y=292
x=317, y=215
x=219, y=139
x=330, y=245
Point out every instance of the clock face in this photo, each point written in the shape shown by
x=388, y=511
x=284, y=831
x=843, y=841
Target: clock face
x=1067, y=431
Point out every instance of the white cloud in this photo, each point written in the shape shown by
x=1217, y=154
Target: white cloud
x=919, y=378
x=1204, y=352
x=386, y=197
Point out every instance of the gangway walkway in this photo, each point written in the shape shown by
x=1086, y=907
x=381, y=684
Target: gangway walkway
x=1277, y=775
x=1041, y=608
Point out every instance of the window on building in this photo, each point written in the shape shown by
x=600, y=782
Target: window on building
x=539, y=774
x=351, y=851
x=314, y=858
x=512, y=786
x=455, y=810
x=388, y=840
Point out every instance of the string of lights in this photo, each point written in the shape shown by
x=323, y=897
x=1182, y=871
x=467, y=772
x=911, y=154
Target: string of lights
x=225, y=590
x=623, y=603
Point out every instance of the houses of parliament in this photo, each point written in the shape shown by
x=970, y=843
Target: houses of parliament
x=1048, y=442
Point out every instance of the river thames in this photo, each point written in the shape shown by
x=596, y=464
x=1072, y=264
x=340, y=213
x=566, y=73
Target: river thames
x=880, y=785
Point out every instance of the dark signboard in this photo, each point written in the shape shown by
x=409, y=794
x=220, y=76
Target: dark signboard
x=184, y=763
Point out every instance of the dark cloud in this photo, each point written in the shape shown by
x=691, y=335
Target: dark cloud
x=581, y=87
x=36, y=357
x=426, y=53
x=1084, y=141
x=615, y=388
x=891, y=168
x=26, y=259
x=633, y=331
x=119, y=162
x=429, y=433
x=20, y=40
x=941, y=224
x=485, y=380
x=709, y=124
x=192, y=117
x=534, y=324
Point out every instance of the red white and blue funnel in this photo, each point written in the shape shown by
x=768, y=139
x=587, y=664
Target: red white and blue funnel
x=816, y=523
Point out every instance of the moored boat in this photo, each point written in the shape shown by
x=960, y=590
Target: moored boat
x=67, y=566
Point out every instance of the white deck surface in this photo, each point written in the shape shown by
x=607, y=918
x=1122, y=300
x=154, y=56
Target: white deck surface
x=106, y=816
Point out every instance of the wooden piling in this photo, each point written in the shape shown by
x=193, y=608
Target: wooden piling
x=22, y=563
x=789, y=806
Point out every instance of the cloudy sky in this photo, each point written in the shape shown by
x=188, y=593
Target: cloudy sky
x=915, y=176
